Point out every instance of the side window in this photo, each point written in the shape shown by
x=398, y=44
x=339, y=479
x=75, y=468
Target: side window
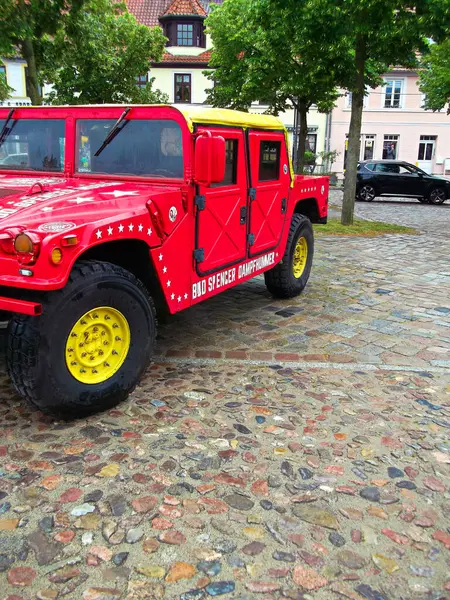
x=231, y=149
x=269, y=161
x=404, y=170
x=370, y=166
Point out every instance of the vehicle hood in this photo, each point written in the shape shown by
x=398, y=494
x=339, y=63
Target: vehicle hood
x=31, y=202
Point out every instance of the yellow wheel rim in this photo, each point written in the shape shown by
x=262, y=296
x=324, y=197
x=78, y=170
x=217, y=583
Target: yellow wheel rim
x=97, y=345
x=300, y=257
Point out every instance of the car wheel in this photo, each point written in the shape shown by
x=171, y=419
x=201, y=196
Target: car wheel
x=289, y=277
x=89, y=348
x=367, y=193
x=437, y=196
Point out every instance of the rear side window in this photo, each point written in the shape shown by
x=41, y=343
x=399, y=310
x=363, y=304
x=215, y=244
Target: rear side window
x=231, y=149
x=370, y=166
x=269, y=161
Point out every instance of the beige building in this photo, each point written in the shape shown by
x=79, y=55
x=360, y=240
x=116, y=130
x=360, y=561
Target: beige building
x=180, y=73
x=14, y=71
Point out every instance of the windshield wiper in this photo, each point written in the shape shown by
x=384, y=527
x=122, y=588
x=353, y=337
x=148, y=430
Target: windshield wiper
x=5, y=126
x=114, y=131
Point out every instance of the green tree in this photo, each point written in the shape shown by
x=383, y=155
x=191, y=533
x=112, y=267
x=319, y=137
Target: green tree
x=97, y=55
x=435, y=76
x=5, y=90
x=266, y=50
x=25, y=27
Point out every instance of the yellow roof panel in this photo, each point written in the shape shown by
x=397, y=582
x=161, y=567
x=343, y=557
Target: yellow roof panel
x=234, y=118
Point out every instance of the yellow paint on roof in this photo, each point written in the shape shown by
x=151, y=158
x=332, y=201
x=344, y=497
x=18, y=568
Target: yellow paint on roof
x=233, y=118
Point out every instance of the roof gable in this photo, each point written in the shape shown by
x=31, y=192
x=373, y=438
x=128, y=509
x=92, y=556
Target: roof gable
x=184, y=8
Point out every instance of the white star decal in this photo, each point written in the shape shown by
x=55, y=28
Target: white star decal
x=186, y=296
x=179, y=298
x=149, y=232
x=47, y=209
x=173, y=296
x=160, y=257
x=118, y=194
x=168, y=283
x=130, y=227
x=141, y=227
x=120, y=228
x=164, y=269
x=81, y=200
x=110, y=230
x=98, y=233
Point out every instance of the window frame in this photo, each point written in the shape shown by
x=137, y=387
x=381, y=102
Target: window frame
x=278, y=160
x=183, y=34
x=394, y=80
x=140, y=82
x=391, y=137
x=183, y=84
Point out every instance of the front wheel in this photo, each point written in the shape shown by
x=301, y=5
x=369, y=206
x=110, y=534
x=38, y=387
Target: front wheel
x=89, y=348
x=366, y=193
x=289, y=277
x=437, y=196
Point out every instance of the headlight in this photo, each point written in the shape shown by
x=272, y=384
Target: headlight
x=23, y=244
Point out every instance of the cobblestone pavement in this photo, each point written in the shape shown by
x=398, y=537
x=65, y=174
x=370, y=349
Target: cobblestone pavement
x=274, y=450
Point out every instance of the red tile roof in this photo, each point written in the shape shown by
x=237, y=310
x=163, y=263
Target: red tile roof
x=202, y=58
x=148, y=12
x=185, y=8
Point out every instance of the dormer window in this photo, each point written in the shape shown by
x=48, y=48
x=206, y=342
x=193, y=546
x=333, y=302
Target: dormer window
x=185, y=34
x=183, y=23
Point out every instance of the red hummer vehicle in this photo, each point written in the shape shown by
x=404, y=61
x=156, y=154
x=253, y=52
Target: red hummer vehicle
x=107, y=211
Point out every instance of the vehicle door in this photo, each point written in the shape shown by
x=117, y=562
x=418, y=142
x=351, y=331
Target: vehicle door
x=411, y=183
x=387, y=178
x=221, y=210
x=269, y=189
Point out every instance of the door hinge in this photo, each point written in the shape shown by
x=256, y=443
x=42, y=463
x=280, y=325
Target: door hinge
x=251, y=239
x=243, y=218
x=252, y=193
x=200, y=202
x=199, y=255
x=283, y=205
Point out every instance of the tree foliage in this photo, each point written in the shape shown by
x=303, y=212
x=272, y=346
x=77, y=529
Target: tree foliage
x=25, y=28
x=435, y=76
x=98, y=54
x=5, y=90
x=266, y=51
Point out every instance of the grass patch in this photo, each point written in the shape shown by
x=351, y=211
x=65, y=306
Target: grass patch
x=361, y=228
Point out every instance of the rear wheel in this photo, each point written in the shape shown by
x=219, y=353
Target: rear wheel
x=437, y=196
x=366, y=193
x=289, y=277
x=89, y=348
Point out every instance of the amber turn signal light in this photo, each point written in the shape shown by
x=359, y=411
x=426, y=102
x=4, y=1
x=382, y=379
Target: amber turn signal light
x=56, y=256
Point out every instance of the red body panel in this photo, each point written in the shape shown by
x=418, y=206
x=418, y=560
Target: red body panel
x=239, y=236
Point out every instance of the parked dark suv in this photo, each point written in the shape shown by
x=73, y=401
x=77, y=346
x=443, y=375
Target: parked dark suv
x=398, y=178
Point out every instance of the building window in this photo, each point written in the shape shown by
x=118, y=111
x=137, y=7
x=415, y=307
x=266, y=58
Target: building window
x=426, y=147
x=367, y=148
x=183, y=88
x=393, y=93
x=311, y=142
x=231, y=149
x=348, y=100
x=142, y=80
x=269, y=161
x=185, y=34
x=390, y=147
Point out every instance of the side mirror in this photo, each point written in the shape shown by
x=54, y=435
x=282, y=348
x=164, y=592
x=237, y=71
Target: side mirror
x=209, y=159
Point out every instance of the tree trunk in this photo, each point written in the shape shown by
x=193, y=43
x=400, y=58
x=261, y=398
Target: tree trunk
x=354, y=134
x=32, y=74
x=302, y=108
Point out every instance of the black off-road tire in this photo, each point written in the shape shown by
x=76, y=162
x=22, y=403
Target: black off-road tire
x=35, y=351
x=280, y=280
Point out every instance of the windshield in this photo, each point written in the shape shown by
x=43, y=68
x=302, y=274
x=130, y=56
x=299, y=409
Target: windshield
x=33, y=144
x=150, y=148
